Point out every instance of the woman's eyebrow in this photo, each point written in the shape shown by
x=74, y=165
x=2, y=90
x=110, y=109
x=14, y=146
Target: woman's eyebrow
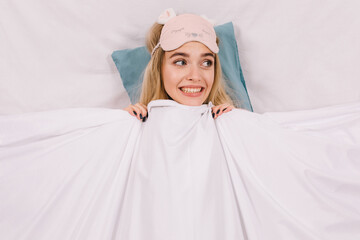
x=179, y=54
x=187, y=55
x=208, y=54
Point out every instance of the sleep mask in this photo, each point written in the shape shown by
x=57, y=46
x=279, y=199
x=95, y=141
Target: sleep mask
x=184, y=28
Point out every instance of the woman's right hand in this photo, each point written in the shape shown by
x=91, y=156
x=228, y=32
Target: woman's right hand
x=138, y=110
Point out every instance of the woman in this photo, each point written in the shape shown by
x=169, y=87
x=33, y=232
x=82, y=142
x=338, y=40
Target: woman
x=184, y=65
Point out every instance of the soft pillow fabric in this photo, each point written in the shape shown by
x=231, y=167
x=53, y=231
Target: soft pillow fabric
x=131, y=64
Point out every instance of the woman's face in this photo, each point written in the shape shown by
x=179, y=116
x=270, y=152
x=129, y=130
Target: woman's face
x=188, y=73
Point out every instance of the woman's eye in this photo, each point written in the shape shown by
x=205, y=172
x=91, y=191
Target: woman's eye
x=180, y=62
x=207, y=63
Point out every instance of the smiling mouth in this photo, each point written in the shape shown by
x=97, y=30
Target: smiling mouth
x=191, y=90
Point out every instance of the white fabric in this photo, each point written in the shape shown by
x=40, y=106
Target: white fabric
x=102, y=174
x=299, y=54
x=294, y=54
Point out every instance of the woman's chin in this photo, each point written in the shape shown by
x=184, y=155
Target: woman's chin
x=190, y=102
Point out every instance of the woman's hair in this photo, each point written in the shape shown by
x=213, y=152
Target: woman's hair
x=153, y=86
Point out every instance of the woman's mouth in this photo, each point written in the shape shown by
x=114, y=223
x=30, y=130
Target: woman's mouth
x=192, y=91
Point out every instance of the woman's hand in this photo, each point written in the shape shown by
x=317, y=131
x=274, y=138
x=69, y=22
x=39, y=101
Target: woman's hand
x=138, y=110
x=220, y=109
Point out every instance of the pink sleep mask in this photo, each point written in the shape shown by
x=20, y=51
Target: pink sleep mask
x=187, y=28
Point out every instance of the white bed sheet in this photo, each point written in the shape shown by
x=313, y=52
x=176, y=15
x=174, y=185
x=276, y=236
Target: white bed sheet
x=102, y=174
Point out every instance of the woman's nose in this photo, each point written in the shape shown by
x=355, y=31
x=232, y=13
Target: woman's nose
x=194, y=73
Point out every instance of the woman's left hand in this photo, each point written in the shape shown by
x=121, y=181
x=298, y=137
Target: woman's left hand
x=220, y=109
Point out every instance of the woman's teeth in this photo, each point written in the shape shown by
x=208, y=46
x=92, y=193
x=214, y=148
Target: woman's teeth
x=191, y=90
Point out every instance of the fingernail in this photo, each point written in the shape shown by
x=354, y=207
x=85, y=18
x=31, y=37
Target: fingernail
x=141, y=116
x=213, y=115
x=147, y=114
x=218, y=111
x=135, y=113
x=144, y=119
x=224, y=109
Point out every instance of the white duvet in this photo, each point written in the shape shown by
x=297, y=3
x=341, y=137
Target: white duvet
x=100, y=173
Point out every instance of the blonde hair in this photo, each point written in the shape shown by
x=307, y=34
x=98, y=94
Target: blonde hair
x=153, y=86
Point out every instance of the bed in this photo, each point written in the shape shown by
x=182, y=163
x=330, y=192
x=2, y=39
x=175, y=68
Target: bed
x=68, y=151
x=294, y=55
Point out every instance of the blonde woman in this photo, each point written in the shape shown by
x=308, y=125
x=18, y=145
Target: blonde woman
x=184, y=65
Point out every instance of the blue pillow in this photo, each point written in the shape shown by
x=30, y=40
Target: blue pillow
x=131, y=64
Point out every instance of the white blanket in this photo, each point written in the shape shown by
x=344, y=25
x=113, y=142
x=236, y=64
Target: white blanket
x=102, y=174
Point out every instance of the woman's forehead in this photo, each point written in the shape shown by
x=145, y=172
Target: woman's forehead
x=191, y=48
